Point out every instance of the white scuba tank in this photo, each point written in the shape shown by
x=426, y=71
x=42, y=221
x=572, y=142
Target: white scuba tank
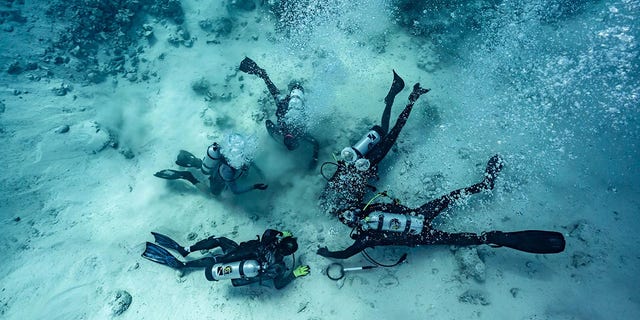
x=296, y=99
x=383, y=221
x=236, y=270
x=360, y=149
x=211, y=160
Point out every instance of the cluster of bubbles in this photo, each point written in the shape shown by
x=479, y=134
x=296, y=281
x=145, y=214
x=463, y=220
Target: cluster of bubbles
x=239, y=150
x=563, y=75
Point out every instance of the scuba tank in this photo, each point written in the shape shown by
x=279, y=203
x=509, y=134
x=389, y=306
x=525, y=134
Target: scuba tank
x=383, y=221
x=236, y=270
x=360, y=149
x=296, y=99
x=212, y=159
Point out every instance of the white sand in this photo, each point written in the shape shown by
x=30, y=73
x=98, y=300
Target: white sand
x=85, y=212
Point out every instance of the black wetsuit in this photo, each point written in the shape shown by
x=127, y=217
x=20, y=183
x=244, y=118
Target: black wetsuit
x=263, y=250
x=281, y=130
x=348, y=185
x=530, y=241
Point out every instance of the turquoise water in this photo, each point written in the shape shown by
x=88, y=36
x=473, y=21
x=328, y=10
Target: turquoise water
x=97, y=96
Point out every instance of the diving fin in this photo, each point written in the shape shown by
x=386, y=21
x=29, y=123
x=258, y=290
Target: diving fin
x=170, y=174
x=532, y=241
x=396, y=87
x=417, y=92
x=169, y=243
x=251, y=67
x=188, y=160
x=160, y=255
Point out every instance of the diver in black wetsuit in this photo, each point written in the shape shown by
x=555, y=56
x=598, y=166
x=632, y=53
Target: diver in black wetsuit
x=215, y=166
x=248, y=262
x=359, y=164
x=392, y=224
x=290, y=130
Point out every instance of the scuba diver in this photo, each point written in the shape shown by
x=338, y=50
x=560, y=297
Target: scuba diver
x=359, y=163
x=290, y=113
x=245, y=263
x=221, y=169
x=392, y=224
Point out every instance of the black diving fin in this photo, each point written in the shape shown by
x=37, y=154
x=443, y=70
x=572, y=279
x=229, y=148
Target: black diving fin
x=188, y=160
x=169, y=243
x=160, y=255
x=417, y=92
x=251, y=67
x=532, y=241
x=396, y=86
x=170, y=174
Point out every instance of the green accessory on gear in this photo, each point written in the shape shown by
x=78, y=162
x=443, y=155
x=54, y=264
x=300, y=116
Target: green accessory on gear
x=301, y=271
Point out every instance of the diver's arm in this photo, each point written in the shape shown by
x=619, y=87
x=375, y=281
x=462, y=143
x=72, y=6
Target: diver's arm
x=228, y=174
x=239, y=190
x=352, y=250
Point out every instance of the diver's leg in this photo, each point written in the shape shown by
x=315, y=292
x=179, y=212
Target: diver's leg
x=206, y=244
x=494, y=166
x=458, y=239
x=201, y=263
x=249, y=66
x=396, y=87
x=434, y=207
x=273, y=130
x=381, y=149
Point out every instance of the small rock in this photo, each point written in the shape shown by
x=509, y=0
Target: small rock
x=62, y=90
x=470, y=263
x=31, y=66
x=514, y=292
x=121, y=300
x=581, y=259
x=389, y=281
x=15, y=68
x=2, y=107
x=62, y=129
x=90, y=137
x=147, y=31
x=201, y=86
x=473, y=296
x=127, y=153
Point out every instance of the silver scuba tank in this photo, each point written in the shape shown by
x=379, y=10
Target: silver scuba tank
x=296, y=99
x=383, y=221
x=360, y=149
x=235, y=270
x=212, y=159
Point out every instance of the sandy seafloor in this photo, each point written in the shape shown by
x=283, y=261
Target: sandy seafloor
x=556, y=97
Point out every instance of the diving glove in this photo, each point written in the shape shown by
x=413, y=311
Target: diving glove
x=301, y=271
